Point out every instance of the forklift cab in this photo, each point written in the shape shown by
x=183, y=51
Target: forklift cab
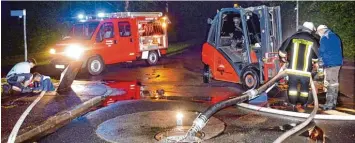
x=242, y=45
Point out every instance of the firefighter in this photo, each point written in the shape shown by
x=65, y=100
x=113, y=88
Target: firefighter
x=330, y=52
x=20, y=77
x=237, y=35
x=302, y=48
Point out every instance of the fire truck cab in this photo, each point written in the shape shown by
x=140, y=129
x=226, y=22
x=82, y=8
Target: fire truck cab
x=113, y=38
x=249, y=58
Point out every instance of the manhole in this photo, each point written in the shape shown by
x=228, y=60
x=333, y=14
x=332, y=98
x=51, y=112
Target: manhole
x=178, y=135
x=155, y=126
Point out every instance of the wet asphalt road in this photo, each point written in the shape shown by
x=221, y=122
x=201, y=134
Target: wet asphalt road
x=180, y=75
x=241, y=125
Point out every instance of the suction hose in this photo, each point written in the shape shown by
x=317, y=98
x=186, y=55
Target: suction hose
x=306, y=122
x=202, y=119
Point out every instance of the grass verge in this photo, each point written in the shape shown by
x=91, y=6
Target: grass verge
x=179, y=46
x=43, y=58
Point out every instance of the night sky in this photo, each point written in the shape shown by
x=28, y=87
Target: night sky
x=49, y=21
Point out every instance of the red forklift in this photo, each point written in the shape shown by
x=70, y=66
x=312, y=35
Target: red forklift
x=255, y=60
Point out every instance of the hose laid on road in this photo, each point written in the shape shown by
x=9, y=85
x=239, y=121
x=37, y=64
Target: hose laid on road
x=297, y=114
x=19, y=122
x=229, y=102
x=202, y=119
x=306, y=122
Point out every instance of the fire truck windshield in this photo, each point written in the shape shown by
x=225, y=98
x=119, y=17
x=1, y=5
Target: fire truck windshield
x=84, y=30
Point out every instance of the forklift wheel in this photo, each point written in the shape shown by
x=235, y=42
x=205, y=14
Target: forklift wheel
x=95, y=65
x=153, y=58
x=250, y=79
x=207, y=74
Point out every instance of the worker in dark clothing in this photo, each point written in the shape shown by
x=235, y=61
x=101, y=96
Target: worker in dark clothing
x=19, y=77
x=237, y=34
x=42, y=83
x=302, y=48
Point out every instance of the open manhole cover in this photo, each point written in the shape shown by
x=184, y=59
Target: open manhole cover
x=178, y=134
x=155, y=126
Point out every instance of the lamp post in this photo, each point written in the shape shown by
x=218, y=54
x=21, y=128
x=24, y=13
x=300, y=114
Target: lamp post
x=296, y=15
x=20, y=14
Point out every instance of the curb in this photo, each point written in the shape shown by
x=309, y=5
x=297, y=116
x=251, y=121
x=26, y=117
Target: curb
x=297, y=114
x=59, y=120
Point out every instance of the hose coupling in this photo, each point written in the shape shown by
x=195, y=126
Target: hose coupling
x=198, y=124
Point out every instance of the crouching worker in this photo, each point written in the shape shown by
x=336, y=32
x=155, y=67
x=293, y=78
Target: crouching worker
x=303, y=49
x=20, y=77
x=43, y=83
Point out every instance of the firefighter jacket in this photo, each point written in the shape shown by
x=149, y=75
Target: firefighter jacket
x=302, y=48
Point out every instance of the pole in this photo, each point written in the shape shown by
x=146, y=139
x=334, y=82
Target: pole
x=167, y=7
x=24, y=32
x=296, y=15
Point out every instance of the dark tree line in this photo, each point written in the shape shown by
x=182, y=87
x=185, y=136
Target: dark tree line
x=49, y=21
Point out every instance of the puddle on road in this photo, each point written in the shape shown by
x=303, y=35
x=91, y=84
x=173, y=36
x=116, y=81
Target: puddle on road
x=125, y=90
x=134, y=90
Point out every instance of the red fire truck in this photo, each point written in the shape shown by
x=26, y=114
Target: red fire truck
x=113, y=38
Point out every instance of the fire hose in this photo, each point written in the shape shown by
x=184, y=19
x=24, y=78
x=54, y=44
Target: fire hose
x=306, y=122
x=203, y=118
x=19, y=122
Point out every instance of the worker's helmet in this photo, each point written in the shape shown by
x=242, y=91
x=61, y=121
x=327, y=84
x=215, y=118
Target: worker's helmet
x=309, y=25
x=321, y=27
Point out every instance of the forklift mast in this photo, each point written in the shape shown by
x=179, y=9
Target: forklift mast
x=270, y=27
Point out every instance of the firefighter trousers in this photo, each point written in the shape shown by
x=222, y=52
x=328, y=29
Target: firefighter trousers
x=298, y=96
x=17, y=80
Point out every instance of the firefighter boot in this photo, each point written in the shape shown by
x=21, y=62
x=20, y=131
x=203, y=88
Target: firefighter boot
x=292, y=96
x=303, y=98
x=331, y=98
x=300, y=108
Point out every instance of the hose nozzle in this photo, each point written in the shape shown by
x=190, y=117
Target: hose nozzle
x=252, y=93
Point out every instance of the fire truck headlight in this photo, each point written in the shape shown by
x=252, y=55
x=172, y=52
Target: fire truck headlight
x=52, y=51
x=164, y=25
x=74, y=51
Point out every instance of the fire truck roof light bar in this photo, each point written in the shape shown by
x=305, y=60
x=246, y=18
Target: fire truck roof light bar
x=135, y=14
x=102, y=15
